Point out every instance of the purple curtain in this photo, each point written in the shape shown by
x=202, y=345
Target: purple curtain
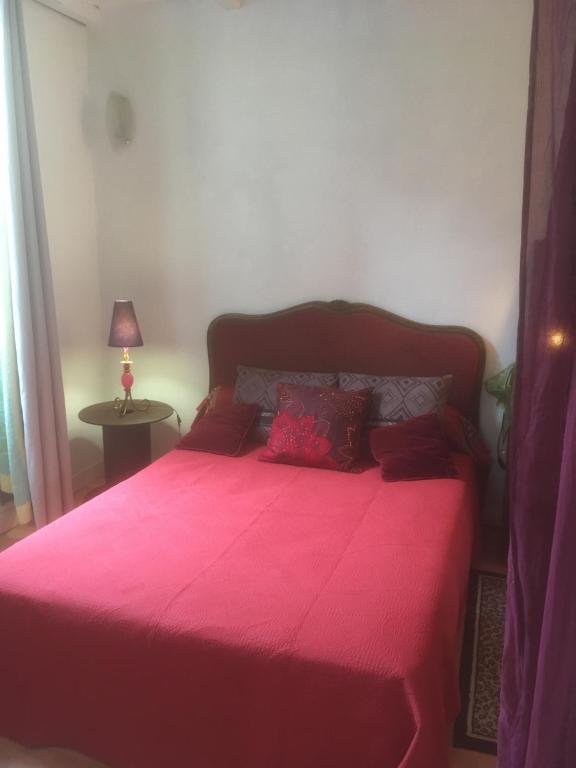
x=538, y=712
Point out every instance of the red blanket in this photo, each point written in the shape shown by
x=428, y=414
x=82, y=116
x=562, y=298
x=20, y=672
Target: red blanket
x=225, y=613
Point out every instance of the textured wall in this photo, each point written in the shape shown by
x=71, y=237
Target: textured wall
x=361, y=149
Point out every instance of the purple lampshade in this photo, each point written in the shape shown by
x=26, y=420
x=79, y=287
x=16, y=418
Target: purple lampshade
x=124, y=331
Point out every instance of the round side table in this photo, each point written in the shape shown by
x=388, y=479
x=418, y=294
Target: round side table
x=127, y=445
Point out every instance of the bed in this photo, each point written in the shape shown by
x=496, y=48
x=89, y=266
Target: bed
x=216, y=612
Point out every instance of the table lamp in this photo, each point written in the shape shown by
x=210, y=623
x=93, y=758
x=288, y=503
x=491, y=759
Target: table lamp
x=125, y=333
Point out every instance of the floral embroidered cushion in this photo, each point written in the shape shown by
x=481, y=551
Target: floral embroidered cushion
x=258, y=385
x=317, y=426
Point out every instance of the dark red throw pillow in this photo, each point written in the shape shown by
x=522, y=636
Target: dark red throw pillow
x=463, y=436
x=221, y=430
x=415, y=449
x=216, y=398
x=317, y=426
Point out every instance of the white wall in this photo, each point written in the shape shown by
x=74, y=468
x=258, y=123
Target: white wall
x=301, y=149
x=57, y=49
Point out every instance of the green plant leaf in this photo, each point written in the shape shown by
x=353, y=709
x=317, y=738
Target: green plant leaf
x=501, y=386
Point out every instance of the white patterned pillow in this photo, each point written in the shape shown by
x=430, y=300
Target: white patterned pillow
x=397, y=398
x=258, y=385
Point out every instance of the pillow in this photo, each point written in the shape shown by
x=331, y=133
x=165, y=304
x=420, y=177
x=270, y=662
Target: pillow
x=317, y=426
x=258, y=385
x=463, y=435
x=220, y=395
x=396, y=398
x=221, y=430
x=415, y=449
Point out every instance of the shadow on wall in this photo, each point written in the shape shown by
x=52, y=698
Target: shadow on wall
x=89, y=456
x=165, y=437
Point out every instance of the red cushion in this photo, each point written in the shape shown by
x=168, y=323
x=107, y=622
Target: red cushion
x=463, y=435
x=222, y=429
x=214, y=399
x=415, y=449
x=317, y=426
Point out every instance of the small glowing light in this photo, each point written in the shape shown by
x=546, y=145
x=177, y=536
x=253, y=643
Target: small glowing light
x=556, y=339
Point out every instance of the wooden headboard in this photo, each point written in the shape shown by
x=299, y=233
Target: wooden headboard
x=339, y=336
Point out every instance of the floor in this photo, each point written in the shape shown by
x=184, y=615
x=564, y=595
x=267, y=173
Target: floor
x=491, y=557
x=11, y=537
x=462, y=758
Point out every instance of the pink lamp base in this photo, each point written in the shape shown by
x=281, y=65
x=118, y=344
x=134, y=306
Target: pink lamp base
x=127, y=405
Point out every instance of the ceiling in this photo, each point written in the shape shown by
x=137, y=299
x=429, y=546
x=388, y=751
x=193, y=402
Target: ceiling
x=89, y=11
x=112, y=3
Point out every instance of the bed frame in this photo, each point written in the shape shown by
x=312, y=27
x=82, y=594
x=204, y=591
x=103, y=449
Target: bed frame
x=340, y=336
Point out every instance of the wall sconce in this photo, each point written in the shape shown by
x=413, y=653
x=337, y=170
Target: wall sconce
x=120, y=120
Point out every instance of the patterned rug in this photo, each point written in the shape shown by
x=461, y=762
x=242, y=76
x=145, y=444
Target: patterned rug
x=477, y=724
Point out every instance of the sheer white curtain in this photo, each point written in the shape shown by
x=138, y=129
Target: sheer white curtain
x=35, y=435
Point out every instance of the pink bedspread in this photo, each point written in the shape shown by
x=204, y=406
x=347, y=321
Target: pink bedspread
x=226, y=613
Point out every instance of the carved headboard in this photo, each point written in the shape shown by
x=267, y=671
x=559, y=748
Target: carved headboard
x=339, y=336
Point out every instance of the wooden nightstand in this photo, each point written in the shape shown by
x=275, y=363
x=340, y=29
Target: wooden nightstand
x=127, y=445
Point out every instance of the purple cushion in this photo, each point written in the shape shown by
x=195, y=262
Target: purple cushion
x=396, y=398
x=258, y=385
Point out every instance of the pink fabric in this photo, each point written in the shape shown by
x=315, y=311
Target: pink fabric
x=226, y=613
